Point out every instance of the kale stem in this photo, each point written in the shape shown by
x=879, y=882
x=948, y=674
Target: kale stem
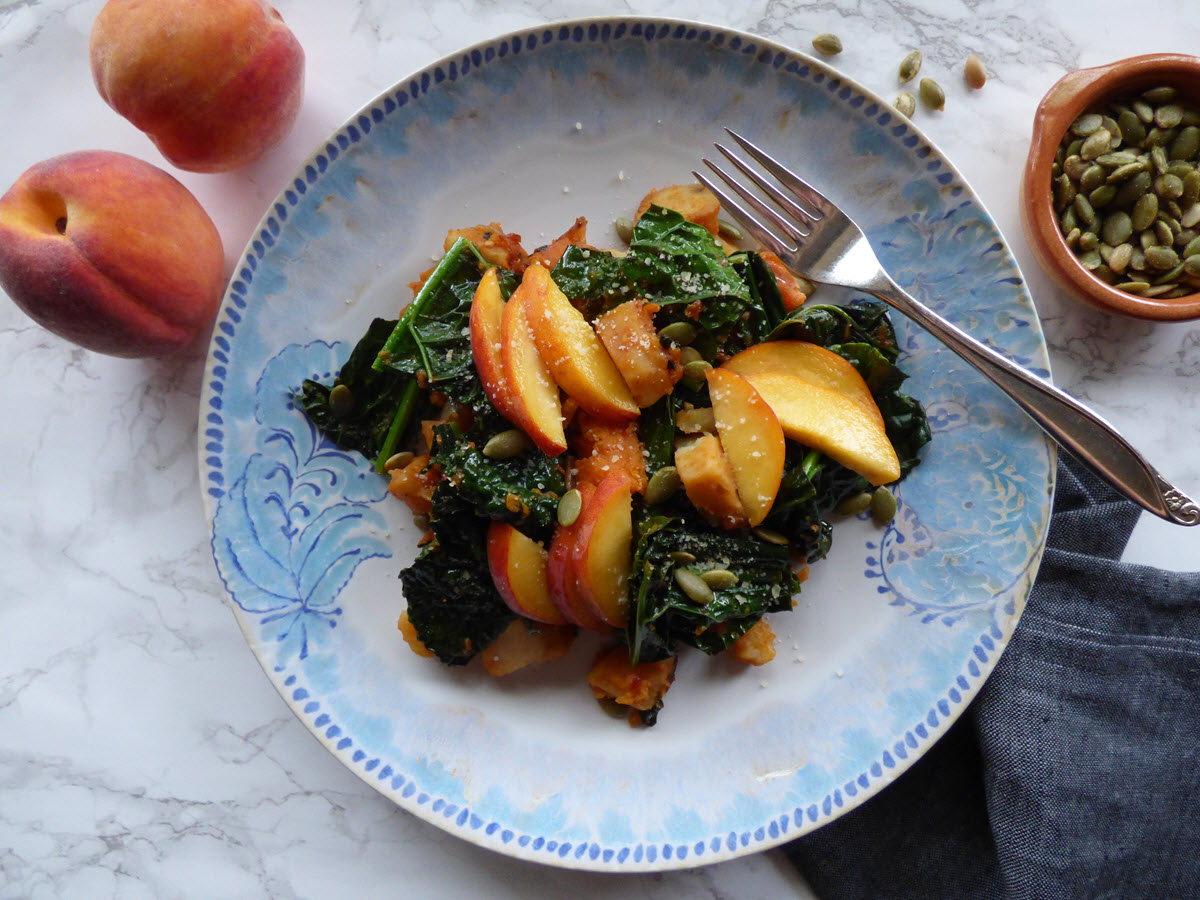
x=400, y=420
x=812, y=463
x=424, y=295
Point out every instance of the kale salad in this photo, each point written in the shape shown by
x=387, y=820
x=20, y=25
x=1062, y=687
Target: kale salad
x=649, y=443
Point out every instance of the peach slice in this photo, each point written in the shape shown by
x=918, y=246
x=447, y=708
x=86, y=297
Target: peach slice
x=518, y=566
x=574, y=354
x=487, y=313
x=533, y=392
x=561, y=580
x=752, y=439
x=828, y=421
x=602, y=556
x=809, y=361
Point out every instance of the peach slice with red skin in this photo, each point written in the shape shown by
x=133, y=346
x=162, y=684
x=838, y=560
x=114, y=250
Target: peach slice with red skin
x=487, y=314
x=560, y=578
x=533, y=392
x=751, y=438
x=574, y=354
x=518, y=566
x=601, y=558
x=828, y=421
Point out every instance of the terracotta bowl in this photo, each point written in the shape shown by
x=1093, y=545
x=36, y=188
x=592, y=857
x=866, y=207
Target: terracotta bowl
x=1073, y=94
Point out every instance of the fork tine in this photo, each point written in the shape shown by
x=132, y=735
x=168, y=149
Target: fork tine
x=786, y=176
x=789, y=229
x=807, y=218
x=761, y=232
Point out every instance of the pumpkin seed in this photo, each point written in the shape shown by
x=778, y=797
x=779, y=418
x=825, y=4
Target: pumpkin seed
x=1161, y=258
x=1191, y=248
x=827, y=43
x=1133, y=131
x=1191, y=216
x=399, y=460
x=1086, y=124
x=693, y=586
x=1075, y=165
x=1117, y=228
x=1118, y=260
x=695, y=369
x=770, y=535
x=932, y=94
x=1161, y=94
x=1083, y=209
x=570, y=505
x=1089, y=240
x=1132, y=189
x=1144, y=212
x=883, y=506
x=906, y=104
x=624, y=228
x=1102, y=196
x=1191, y=265
x=1133, y=287
x=341, y=401
x=728, y=230
x=910, y=66
x=1117, y=158
x=507, y=444
x=1095, y=176
x=681, y=557
x=1168, y=187
x=1168, y=115
x=1186, y=144
x=681, y=333
x=1120, y=173
x=1098, y=142
x=719, y=579
x=854, y=504
x=974, y=72
x=1191, y=188
x=663, y=485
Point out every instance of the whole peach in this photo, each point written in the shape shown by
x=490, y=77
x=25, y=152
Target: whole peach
x=110, y=252
x=213, y=83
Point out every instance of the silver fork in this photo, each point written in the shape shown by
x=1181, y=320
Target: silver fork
x=817, y=240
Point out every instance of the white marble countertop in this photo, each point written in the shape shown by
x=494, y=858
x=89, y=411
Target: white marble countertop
x=142, y=751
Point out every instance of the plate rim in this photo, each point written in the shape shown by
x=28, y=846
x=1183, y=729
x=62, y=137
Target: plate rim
x=646, y=856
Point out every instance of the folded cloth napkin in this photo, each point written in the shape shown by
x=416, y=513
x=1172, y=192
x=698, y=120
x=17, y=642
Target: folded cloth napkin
x=1076, y=770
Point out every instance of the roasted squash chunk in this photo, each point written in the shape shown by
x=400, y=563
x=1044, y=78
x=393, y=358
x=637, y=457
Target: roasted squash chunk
x=708, y=480
x=628, y=334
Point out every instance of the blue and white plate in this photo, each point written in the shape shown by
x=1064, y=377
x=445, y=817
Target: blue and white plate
x=892, y=635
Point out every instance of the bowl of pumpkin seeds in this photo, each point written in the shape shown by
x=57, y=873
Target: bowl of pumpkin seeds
x=1111, y=190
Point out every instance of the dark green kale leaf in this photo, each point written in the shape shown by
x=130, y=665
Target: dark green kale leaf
x=665, y=617
x=522, y=490
x=860, y=322
x=595, y=280
x=361, y=419
x=675, y=263
x=452, y=603
x=433, y=336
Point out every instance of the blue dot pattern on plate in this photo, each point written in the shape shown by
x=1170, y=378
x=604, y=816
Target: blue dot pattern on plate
x=298, y=527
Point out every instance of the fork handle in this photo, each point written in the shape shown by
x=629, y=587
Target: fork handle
x=1080, y=430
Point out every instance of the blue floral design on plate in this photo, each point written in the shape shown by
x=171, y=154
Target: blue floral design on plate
x=893, y=634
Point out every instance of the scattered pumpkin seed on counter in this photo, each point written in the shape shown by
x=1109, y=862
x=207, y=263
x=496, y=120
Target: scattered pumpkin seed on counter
x=1126, y=190
x=828, y=44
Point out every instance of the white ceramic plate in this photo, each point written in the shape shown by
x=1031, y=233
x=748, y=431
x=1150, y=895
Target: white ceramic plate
x=893, y=634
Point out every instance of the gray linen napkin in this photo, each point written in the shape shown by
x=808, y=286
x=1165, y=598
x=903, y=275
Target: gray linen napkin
x=1076, y=771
